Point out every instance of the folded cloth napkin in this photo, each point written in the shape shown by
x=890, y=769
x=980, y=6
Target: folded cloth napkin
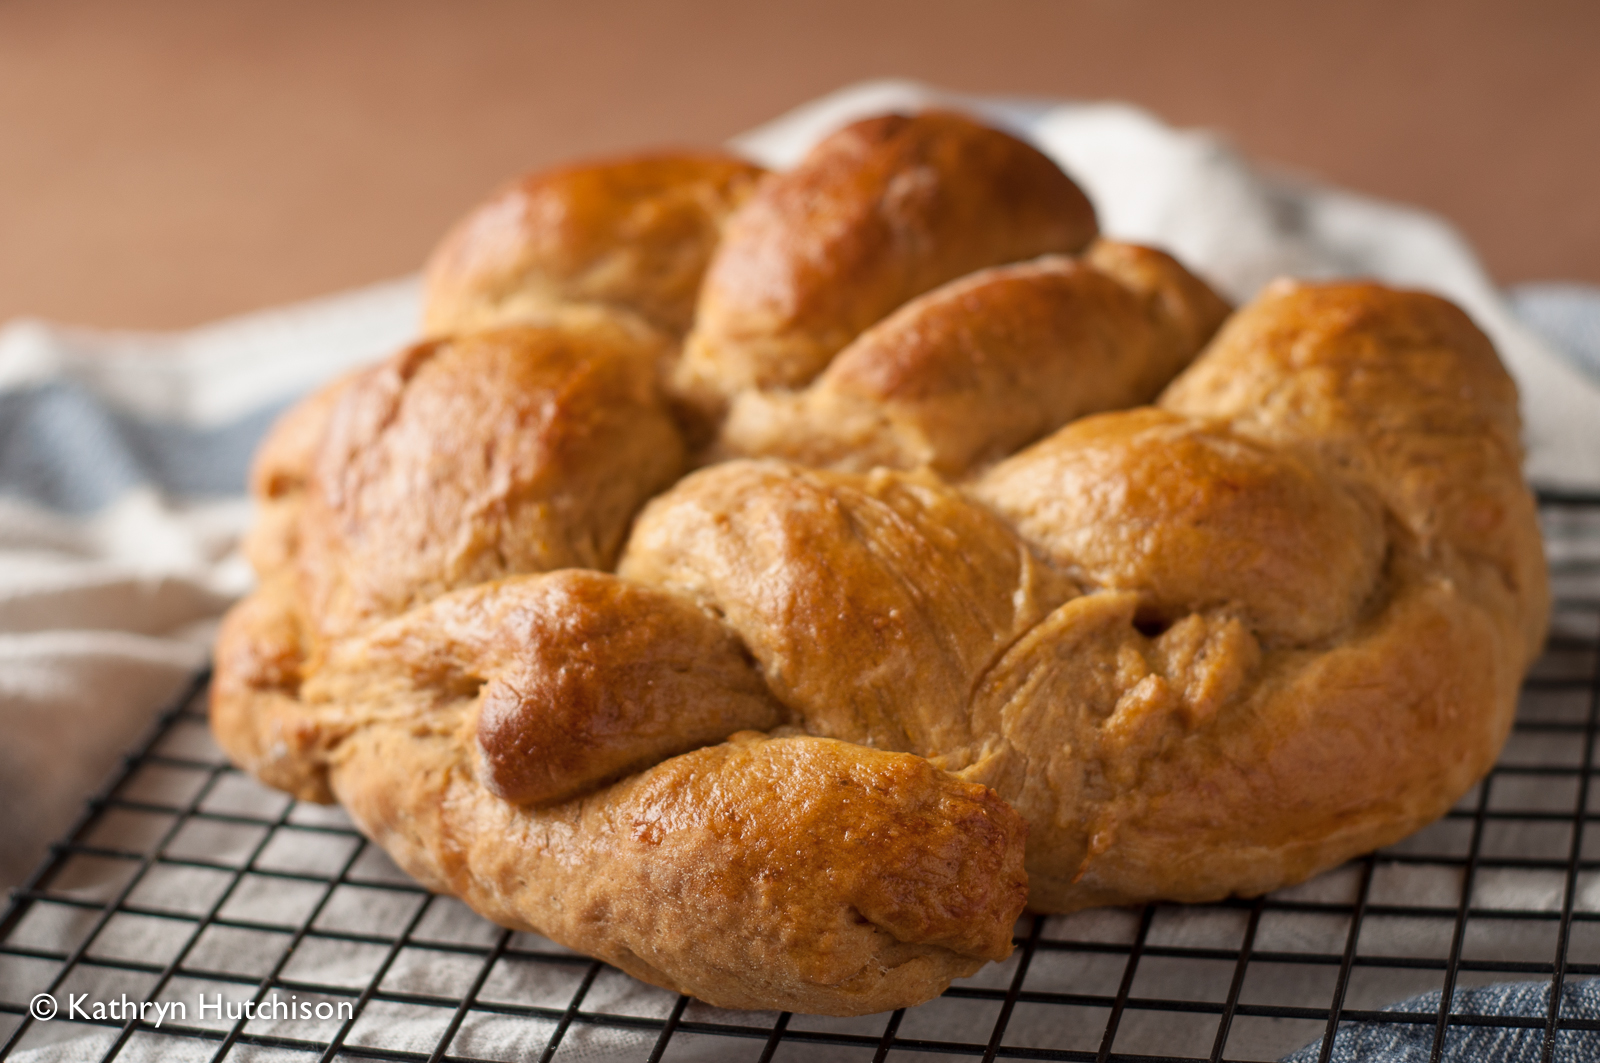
x=123, y=456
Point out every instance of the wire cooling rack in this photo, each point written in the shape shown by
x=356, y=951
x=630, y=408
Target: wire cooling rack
x=186, y=880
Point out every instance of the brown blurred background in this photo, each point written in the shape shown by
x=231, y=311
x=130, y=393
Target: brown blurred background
x=166, y=162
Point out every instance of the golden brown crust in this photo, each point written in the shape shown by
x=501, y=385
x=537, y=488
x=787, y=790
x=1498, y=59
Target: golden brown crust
x=1402, y=389
x=988, y=363
x=280, y=471
x=1235, y=575
x=1316, y=756
x=521, y=449
x=1195, y=518
x=1177, y=652
x=689, y=877
x=876, y=214
x=1181, y=305
x=259, y=660
x=630, y=234
x=687, y=874
x=594, y=678
x=870, y=601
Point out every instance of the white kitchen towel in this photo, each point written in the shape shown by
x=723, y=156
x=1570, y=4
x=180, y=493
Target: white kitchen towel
x=122, y=464
x=122, y=456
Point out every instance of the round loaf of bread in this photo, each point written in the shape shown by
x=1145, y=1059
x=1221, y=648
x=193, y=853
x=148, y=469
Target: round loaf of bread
x=773, y=584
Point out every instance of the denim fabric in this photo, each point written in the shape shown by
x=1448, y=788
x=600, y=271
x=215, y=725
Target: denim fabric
x=1375, y=1042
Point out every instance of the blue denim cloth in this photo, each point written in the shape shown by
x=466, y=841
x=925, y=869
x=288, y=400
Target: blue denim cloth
x=1376, y=1042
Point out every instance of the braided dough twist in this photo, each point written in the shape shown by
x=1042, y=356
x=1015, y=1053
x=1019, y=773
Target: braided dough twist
x=810, y=728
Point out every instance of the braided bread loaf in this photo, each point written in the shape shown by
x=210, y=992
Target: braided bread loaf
x=752, y=585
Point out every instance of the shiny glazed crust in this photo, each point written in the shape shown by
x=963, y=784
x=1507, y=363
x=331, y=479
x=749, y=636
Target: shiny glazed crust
x=786, y=664
x=877, y=213
x=631, y=237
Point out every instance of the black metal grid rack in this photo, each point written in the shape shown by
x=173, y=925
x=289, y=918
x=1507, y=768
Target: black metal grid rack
x=185, y=880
